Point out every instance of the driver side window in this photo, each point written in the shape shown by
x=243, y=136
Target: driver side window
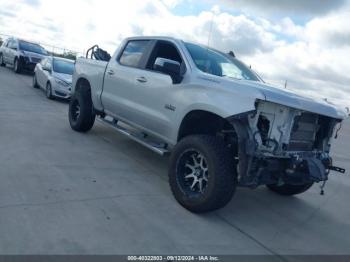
x=164, y=49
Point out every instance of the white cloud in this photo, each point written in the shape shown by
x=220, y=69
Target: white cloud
x=172, y=3
x=313, y=58
x=296, y=7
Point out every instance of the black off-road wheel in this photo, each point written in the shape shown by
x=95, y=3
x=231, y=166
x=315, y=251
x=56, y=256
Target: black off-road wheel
x=2, y=61
x=202, y=176
x=289, y=190
x=81, y=112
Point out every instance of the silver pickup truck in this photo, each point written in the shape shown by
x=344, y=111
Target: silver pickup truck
x=223, y=126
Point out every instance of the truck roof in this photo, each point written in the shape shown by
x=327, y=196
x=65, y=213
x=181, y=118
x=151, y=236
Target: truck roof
x=153, y=38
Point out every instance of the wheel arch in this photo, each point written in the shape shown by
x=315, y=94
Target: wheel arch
x=82, y=84
x=234, y=129
x=202, y=122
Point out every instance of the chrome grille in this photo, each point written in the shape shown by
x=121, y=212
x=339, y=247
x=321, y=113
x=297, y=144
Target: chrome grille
x=35, y=60
x=304, y=131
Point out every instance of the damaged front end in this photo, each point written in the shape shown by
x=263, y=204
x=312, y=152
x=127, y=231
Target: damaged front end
x=282, y=145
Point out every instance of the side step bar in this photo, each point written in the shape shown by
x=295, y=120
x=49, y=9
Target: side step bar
x=139, y=138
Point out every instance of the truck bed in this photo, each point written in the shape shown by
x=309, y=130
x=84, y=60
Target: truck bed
x=93, y=71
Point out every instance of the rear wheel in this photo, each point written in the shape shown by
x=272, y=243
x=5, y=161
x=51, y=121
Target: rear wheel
x=289, y=190
x=49, y=91
x=17, y=66
x=202, y=176
x=2, y=60
x=81, y=111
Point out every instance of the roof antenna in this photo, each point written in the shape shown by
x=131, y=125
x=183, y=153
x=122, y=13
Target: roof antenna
x=211, y=29
x=286, y=84
x=209, y=38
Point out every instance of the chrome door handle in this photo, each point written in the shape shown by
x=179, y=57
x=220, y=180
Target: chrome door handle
x=141, y=79
x=110, y=72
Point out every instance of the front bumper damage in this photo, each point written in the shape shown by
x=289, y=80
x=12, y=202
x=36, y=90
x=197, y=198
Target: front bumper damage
x=298, y=168
x=267, y=155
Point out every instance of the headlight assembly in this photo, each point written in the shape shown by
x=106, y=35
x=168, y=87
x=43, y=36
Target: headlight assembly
x=61, y=82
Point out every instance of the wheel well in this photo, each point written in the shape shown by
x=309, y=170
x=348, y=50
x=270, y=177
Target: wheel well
x=82, y=83
x=199, y=122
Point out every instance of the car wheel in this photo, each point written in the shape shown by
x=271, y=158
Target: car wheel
x=289, y=190
x=2, y=60
x=35, y=82
x=81, y=112
x=202, y=176
x=49, y=91
x=17, y=66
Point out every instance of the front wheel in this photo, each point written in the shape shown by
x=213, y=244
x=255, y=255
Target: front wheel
x=49, y=91
x=35, y=81
x=81, y=112
x=289, y=190
x=17, y=66
x=202, y=176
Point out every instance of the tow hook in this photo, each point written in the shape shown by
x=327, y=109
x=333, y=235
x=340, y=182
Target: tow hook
x=333, y=168
x=337, y=169
x=322, y=188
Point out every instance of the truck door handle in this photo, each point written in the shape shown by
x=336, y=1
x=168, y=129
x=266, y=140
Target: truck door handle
x=110, y=72
x=141, y=79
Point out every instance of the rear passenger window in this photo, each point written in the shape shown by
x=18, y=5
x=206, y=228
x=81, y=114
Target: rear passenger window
x=133, y=53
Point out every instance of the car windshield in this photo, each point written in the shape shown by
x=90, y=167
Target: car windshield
x=30, y=47
x=63, y=66
x=216, y=63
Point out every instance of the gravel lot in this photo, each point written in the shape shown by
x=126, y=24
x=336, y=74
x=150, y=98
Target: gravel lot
x=100, y=193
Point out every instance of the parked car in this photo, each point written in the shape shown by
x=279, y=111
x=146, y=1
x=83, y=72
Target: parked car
x=223, y=126
x=21, y=54
x=54, y=75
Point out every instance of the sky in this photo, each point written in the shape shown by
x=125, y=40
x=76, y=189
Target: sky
x=304, y=43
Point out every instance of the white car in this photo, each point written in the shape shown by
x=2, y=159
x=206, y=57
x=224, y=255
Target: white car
x=54, y=75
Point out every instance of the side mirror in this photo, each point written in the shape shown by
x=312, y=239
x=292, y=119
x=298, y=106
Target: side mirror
x=169, y=67
x=48, y=69
x=14, y=48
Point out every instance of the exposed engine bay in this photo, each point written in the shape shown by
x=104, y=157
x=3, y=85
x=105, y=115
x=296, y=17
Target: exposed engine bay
x=289, y=146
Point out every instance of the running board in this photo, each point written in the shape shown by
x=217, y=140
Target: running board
x=139, y=138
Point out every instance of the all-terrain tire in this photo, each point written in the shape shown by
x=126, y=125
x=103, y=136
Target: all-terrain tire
x=81, y=111
x=289, y=190
x=222, y=176
x=2, y=61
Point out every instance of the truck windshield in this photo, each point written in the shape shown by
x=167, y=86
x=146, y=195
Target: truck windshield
x=63, y=67
x=30, y=47
x=216, y=63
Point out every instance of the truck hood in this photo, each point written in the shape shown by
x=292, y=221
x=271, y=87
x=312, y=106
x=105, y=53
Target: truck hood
x=294, y=100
